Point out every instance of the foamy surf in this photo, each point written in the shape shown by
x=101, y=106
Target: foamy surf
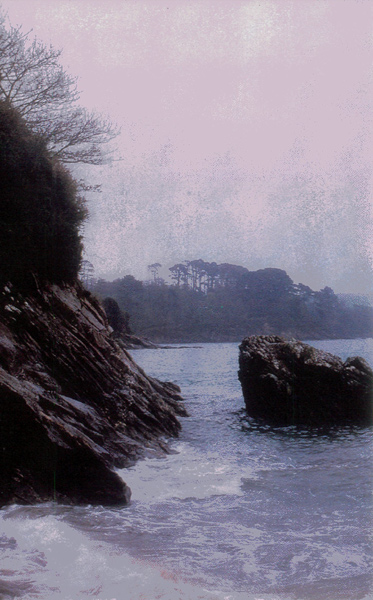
x=185, y=474
x=43, y=557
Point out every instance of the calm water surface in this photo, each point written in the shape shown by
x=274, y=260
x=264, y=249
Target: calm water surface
x=238, y=512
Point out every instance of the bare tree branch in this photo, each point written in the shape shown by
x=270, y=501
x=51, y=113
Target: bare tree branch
x=33, y=81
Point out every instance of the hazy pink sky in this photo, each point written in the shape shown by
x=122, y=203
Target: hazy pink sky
x=246, y=131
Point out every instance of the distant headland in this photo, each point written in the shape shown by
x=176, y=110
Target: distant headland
x=210, y=302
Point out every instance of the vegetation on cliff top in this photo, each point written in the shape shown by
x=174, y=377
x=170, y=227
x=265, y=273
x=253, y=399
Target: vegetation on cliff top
x=41, y=212
x=42, y=127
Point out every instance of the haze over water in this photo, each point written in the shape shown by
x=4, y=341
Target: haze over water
x=246, y=138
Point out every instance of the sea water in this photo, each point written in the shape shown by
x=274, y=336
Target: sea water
x=237, y=511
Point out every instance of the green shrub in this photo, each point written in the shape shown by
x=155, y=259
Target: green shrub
x=40, y=211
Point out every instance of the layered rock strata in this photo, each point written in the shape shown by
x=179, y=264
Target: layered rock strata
x=290, y=382
x=73, y=404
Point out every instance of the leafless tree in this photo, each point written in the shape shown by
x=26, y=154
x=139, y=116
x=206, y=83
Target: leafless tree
x=33, y=81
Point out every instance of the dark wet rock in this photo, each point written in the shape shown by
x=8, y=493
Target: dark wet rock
x=73, y=404
x=290, y=382
x=129, y=341
x=119, y=324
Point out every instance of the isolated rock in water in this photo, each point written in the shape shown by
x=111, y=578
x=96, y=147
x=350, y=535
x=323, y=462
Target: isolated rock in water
x=289, y=382
x=73, y=404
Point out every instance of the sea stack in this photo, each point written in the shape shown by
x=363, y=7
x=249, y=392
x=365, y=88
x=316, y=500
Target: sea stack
x=292, y=383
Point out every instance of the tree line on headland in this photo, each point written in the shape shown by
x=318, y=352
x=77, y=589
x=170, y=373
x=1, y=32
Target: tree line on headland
x=209, y=302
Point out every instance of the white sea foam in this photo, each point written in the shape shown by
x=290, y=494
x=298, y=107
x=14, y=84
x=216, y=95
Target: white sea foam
x=47, y=558
x=187, y=474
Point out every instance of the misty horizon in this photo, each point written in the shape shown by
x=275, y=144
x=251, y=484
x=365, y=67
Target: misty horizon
x=246, y=133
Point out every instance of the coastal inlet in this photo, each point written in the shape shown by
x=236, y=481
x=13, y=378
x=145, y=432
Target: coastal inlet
x=239, y=511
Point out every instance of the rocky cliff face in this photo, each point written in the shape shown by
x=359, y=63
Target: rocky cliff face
x=73, y=404
x=289, y=382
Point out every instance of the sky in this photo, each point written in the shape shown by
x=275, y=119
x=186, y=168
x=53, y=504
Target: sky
x=246, y=131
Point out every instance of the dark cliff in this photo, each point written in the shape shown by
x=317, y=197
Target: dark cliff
x=73, y=404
